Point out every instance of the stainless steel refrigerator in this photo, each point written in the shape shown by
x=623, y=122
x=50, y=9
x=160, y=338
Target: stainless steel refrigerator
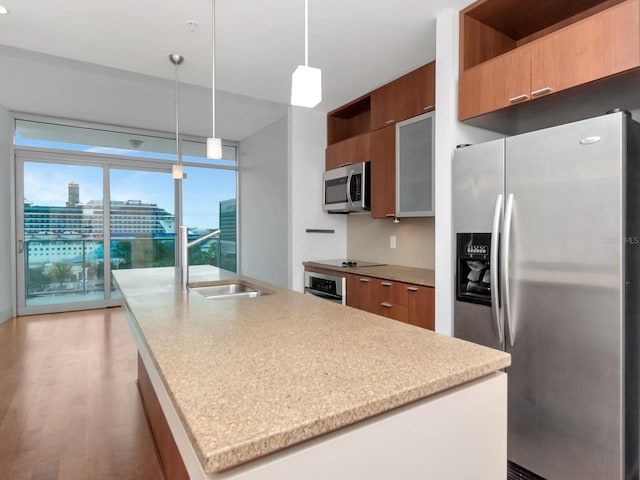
x=547, y=268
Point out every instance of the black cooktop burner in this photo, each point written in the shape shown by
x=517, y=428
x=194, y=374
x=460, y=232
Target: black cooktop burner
x=348, y=263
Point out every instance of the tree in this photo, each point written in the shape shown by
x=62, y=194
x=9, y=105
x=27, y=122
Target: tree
x=204, y=254
x=163, y=255
x=37, y=280
x=121, y=254
x=61, y=272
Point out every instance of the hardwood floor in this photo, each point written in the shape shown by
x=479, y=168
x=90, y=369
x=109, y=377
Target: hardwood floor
x=69, y=403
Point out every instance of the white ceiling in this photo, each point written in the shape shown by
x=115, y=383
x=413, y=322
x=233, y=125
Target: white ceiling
x=358, y=44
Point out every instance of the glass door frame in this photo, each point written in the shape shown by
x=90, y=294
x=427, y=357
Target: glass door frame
x=106, y=162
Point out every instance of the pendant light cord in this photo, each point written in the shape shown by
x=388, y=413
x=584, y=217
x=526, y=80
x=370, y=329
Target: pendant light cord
x=306, y=33
x=179, y=156
x=213, y=68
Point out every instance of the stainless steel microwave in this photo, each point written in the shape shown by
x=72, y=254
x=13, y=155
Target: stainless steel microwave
x=347, y=189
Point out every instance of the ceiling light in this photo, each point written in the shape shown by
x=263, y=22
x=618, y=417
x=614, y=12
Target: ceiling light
x=3, y=10
x=306, y=81
x=176, y=170
x=214, y=144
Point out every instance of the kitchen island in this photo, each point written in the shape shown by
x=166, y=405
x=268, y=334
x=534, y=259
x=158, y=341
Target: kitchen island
x=287, y=385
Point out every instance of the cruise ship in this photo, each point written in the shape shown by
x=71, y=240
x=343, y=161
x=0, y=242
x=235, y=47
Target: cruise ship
x=58, y=233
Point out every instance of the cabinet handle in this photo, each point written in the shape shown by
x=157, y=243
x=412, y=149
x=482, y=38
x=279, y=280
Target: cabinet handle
x=412, y=289
x=428, y=107
x=389, y=121
x=365, y=280
x=345, y=164
x=386, y=305
x=386, y=284
x=542, y=91
x=519, y=98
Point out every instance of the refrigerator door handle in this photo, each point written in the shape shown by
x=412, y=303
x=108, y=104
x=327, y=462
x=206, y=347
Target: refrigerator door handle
x=495, y=242
x=506, y=251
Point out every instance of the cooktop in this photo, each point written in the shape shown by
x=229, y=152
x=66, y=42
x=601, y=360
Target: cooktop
x=348, y=263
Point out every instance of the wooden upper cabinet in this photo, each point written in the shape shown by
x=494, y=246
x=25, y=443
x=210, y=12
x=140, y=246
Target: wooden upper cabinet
x=383, y=172
x=497, y=83
x=350, y=120
x=507, y=57
x=352, y=150
x=383, y=101
x=599, y=46
x=417, y=92
x=405, y=97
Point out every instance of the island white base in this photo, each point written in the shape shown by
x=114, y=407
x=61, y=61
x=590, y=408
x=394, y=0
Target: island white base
x=458, y=434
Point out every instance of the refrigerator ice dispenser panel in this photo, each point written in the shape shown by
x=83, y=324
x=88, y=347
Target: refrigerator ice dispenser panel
x=473, y=278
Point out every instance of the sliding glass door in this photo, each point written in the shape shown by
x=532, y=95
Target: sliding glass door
x=141, y=219
x=78, y=221
x=61, y=247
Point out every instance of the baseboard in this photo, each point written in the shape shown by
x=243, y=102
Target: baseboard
x=6, y=314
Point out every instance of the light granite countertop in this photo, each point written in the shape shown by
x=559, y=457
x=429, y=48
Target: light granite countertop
x=251, y=376
x=397, y=273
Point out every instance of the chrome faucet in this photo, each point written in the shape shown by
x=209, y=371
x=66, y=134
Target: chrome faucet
x=183, y=268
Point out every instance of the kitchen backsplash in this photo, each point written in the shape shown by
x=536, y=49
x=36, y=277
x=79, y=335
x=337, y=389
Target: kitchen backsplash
x=369, y=239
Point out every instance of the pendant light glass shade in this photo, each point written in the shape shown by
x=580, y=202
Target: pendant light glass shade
x=306, y=81
x=176, y=172
x=214, y=148
x=214, y=144
x=306, y=86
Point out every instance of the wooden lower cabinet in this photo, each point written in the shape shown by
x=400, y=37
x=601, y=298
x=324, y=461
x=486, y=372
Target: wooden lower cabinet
x=400, y=301
x=170, y=459
x=359, y=292
x=390, y=300
x=421, y=306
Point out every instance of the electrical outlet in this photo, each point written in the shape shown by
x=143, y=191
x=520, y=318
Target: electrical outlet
x=392, y=241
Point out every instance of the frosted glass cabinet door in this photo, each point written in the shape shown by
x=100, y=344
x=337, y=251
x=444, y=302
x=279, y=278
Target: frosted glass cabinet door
x=414, y=166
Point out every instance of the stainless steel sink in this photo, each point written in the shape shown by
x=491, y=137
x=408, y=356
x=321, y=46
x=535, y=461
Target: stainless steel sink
x=227, y=290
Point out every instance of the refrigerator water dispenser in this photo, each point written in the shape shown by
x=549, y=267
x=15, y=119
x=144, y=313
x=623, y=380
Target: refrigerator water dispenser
x=473, y=268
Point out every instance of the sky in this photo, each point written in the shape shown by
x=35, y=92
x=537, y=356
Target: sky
x=203, y=189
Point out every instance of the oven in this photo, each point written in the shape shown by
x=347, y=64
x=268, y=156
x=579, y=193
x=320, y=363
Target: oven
x=326, y=286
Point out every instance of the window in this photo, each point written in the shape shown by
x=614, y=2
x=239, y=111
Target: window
x=75, y=251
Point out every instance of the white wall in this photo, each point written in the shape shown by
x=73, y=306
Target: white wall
x=449, y=133
x=263, y=203
x=307, y=143
x=7, y=287
x=280, y=198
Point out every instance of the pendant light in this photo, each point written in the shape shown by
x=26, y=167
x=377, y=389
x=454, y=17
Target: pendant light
x=306, y=81
x=176, y=170
x=214, y=144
